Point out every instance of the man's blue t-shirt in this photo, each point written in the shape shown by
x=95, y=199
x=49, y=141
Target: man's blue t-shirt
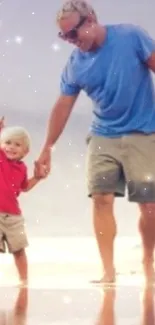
x=117, y=79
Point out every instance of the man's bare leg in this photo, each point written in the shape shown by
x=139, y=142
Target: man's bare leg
x=147, y=231
x=105, y=231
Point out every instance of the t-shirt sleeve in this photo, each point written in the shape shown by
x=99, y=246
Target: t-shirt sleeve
x=145, y=45
x=25, y=178
x=68, y=85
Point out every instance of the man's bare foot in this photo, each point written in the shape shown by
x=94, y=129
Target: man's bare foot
x=109, y=278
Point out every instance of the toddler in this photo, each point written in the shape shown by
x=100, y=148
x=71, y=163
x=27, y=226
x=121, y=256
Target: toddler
x=14, y=146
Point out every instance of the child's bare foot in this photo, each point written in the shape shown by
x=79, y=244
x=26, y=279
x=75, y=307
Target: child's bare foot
x=23, y=283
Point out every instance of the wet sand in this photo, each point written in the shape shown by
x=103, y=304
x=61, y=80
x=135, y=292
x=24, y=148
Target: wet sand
x=60, y=292
x=80, y=307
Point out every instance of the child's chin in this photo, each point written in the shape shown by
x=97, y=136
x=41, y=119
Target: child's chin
x=13, y=157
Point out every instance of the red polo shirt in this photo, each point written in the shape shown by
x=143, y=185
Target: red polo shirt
x=13, y=179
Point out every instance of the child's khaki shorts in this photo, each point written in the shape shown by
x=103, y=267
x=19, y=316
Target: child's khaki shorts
x=12, y=233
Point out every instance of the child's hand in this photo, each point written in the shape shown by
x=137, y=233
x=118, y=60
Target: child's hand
x=42, y=171
x=2, y=123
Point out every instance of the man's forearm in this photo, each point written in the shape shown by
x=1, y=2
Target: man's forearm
x=58, y=119
x=1, y=124
x=56, y=125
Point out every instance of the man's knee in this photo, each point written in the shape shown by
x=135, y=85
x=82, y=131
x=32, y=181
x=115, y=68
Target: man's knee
x=147, y=210
x=103, y=201
x=147, y=222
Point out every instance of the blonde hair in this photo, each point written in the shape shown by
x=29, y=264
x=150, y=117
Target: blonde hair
x=82, y=7
x=15, y=132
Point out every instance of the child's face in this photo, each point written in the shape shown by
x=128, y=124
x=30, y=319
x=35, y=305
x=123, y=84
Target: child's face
x=14, y=148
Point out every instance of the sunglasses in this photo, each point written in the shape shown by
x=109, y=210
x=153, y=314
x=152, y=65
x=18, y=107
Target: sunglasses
x=72, y=34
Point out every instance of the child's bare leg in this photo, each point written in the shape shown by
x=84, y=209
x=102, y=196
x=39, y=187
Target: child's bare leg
x=21, y=264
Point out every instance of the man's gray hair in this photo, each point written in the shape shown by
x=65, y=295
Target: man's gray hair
x=82, y=7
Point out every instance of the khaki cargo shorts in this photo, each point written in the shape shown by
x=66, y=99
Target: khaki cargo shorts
x=116, y=163
x=12, y=233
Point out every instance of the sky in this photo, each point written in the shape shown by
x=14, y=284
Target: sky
x=31, y=61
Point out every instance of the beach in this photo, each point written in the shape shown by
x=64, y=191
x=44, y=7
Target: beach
x=72, y=262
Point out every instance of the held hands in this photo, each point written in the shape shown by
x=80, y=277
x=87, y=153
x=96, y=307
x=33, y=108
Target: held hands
x=40, y=171
x=43, y=164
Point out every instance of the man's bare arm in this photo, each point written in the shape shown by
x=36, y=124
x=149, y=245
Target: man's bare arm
x=151, y=62
x=58, y=118
x=2, y=120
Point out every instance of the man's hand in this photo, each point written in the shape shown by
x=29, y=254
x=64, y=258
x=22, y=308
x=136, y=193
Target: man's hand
x=2, y=123
x=43, y=164
x=40, y=171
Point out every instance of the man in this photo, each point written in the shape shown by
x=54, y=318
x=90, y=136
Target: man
x=112, y=64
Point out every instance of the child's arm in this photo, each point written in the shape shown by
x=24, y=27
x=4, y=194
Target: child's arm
x=33, y=181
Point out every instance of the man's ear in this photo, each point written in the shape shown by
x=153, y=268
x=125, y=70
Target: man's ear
x=90, y=18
